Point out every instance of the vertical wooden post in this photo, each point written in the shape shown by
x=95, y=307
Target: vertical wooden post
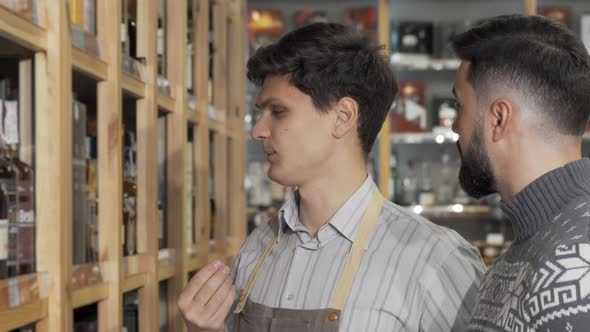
x=201, y=72
x=177, y=139
x=237, y=227
x=53, y=85
x=147, y=182
x=110, y=169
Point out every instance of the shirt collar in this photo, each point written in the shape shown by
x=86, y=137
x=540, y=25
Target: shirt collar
x=345, y=221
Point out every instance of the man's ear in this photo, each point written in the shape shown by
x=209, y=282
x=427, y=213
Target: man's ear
x=498, y=120
x=347, y=114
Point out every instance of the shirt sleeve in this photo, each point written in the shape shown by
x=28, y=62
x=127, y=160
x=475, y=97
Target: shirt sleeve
x=451, y=291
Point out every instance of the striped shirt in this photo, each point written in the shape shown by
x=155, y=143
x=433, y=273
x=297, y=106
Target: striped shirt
x=414, y=276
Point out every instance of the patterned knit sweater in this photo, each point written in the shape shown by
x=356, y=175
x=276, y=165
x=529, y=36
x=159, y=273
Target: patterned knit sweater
x=542, y=283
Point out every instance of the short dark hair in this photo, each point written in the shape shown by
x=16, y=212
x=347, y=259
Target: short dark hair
x=537, y=57
x=329, y=61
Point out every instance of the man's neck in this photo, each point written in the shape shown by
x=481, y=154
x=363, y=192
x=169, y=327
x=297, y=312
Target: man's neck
x=532, y=165
x=322, y=197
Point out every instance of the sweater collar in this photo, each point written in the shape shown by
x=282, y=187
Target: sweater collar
x=540, y=201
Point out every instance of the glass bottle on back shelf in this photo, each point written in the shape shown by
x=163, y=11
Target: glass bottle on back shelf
x=8, y=187
x=25, y=195
x=8, y=197
x=4, y=235
x=445, y=190
x=426, y=196
x=130, y=200
x=394, y=180
x=17, y=182
x=410, y=185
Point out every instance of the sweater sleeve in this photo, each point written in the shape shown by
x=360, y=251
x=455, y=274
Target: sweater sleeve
x=576, y=320
x=558, y=298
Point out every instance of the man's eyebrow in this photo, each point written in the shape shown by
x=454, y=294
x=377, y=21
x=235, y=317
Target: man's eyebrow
x=268, y=101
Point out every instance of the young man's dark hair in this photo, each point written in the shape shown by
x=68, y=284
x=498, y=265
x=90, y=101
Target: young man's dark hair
x=523, y=89
x=329, y=61
x=541, y=59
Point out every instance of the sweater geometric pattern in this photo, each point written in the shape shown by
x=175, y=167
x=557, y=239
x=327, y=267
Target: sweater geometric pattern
x=530, y=290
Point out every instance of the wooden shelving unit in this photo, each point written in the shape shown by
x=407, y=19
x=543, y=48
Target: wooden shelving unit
x=54, y=60
x=133, y=86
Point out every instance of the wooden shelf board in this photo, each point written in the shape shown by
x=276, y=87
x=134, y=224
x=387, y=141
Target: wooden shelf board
x=133, y=86
x=234, y=129
x=217, y=126
x=195, y=263
x=133, y=265
x=22, y=31
x=88, y=295
x=23, y=315
x=89, y=65
x=221, y=256
x=165, y=102
x=193, y=117
x=166, y=272
x=134, y=282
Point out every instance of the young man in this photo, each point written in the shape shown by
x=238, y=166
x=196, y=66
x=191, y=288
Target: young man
x=337, y=257
x=524, y=93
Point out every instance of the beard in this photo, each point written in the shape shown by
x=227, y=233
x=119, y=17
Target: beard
x=476, y=176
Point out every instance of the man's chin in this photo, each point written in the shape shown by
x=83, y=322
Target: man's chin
x=275, y=175
x=476, y=185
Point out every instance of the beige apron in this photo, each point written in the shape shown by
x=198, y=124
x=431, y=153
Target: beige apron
x=257, y=317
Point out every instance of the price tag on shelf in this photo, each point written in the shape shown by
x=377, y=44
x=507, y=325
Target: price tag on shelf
x=13, y=293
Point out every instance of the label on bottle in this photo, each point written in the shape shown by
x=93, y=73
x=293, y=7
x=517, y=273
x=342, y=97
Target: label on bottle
x=160, y=41
x=76, y=111
x=3, y=239
x=13, y=293
x=123, y=32
x=77, y=12
x=11, y=122
x=90, y=16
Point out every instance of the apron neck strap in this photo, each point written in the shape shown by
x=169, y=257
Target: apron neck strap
x=351, y=267
x=353, y=261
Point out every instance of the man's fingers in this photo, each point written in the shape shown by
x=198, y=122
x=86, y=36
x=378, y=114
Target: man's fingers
x=225, y=307
x=207, y=291
x=196, y=283
x=218, y=298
